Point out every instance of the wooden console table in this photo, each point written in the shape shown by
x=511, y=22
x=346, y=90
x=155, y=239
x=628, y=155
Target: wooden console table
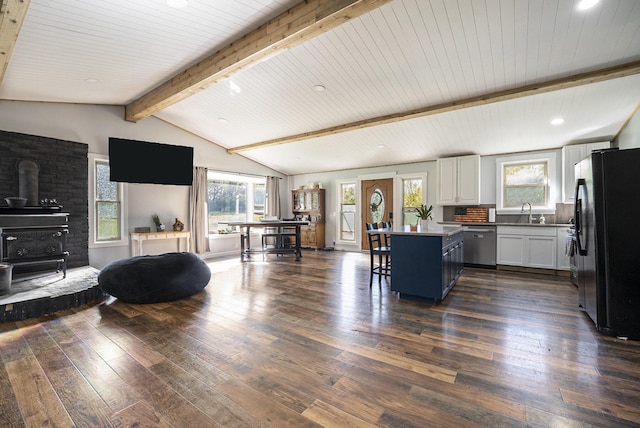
x=137, y=238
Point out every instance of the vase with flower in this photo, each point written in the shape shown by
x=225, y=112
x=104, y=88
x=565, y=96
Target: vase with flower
x=424, y=215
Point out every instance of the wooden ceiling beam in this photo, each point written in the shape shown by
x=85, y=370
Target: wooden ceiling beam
x=601, y=75
x=306, y=20
x=12, y=13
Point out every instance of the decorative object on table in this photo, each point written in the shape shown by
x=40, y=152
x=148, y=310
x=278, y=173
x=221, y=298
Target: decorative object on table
x=143, y=229
x=178, y=226
x=158, y=223
x=16, y=202
x=156, y=278
x=424, y=214
x=28, y=171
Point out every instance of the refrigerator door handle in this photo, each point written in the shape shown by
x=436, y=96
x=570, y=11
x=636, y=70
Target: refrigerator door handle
x=582, y=250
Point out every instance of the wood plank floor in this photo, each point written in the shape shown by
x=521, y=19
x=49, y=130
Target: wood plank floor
x=280, y=343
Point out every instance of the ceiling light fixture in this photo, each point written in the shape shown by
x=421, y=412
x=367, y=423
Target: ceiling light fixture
x=91, y=80
x=319, y=88
x=177, y=4
x=222, y=120
x=557, y=121
x=587, y=4
x=234, y=88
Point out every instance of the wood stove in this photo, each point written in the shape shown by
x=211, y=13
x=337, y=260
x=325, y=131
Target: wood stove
x=33, y=236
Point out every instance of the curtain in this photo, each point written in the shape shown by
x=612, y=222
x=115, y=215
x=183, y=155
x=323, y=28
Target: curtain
x=198, y=210
x=272, y=193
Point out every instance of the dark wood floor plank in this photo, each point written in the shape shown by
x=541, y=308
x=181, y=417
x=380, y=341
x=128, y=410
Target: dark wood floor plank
x=39, y=402
x=140, y=414
x=283, y=343
x=162, y=398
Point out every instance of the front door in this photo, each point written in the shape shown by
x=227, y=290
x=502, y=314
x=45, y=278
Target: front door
x=377, y=201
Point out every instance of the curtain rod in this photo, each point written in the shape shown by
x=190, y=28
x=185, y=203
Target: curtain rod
x=240, y=173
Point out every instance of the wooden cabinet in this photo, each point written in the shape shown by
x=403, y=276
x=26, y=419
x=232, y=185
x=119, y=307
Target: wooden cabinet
x=308, y=204
x=533, y=246
x=458, y=180
x=571, y=155
x=425, y=268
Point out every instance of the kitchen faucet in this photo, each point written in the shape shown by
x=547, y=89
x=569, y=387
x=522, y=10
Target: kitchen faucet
x=522, y=211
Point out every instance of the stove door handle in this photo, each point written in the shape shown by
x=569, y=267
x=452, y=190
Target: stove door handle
x=11, y=238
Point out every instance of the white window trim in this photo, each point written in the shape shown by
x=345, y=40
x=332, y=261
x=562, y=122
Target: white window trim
x=124, y=224
x=553, y=184
x=399, y=190
x=339, y=184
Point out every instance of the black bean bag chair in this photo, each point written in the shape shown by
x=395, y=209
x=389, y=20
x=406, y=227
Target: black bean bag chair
x=157, y=278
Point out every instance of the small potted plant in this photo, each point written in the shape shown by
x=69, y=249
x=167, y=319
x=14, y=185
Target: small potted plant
x=424, y=215
x=158, y=223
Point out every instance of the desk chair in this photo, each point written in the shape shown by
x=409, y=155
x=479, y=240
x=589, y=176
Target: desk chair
x=380, y=255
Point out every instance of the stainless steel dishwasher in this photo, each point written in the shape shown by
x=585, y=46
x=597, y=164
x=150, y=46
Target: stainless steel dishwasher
x=480, y=246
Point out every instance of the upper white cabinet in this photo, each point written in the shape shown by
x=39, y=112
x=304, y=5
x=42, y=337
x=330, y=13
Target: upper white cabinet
x=571, y=155
x=458, y=180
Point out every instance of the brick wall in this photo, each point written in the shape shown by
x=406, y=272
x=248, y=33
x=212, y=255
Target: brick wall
x=63, y=176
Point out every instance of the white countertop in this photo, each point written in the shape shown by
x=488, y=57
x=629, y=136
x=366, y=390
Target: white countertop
x=434, y=229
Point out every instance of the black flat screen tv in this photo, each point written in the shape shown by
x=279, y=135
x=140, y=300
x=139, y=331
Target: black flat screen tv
x=132, y=161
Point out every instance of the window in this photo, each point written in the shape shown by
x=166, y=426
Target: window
x=525, y=183
x=347, y=211
x=107, y=210
x=526, y=178
x=411, y=199
x=233, y=198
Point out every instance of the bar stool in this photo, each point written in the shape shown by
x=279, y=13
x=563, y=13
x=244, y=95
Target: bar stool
x=380, y=255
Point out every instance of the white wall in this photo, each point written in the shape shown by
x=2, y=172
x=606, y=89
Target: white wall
x=328, y=181
x=93, y=125
x=630, y=136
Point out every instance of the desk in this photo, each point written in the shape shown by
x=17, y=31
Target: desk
x=137, y=238
x=245, y=237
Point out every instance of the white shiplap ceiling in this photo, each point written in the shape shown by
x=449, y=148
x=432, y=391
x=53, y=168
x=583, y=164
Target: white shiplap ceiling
x=401, y=56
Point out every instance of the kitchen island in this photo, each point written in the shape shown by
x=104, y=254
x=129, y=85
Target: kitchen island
x=426, y=263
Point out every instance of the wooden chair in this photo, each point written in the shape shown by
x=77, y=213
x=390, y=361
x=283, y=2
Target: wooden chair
x=380, y=255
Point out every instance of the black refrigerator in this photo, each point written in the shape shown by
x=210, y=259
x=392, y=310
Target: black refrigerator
x=607, y=217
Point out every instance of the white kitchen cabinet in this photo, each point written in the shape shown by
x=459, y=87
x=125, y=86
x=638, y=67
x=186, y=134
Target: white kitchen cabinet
x=563, y=262
x=571, y=155
x=527, y=246
x=458, y=180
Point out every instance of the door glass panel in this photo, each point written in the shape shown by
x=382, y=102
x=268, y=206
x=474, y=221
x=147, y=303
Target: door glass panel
x=377, y=206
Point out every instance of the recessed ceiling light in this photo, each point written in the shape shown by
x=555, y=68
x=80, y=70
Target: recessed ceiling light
x=178, y=4
x=557, y=121
x=91, y=80
x=319, y=88
x=587, y=4
x=381, y=146
x=234, y=88
x=222, y=120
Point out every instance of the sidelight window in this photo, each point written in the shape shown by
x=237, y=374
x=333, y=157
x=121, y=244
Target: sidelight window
x=347, y=211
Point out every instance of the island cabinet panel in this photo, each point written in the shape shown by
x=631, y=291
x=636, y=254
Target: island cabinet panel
x=425, y=268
